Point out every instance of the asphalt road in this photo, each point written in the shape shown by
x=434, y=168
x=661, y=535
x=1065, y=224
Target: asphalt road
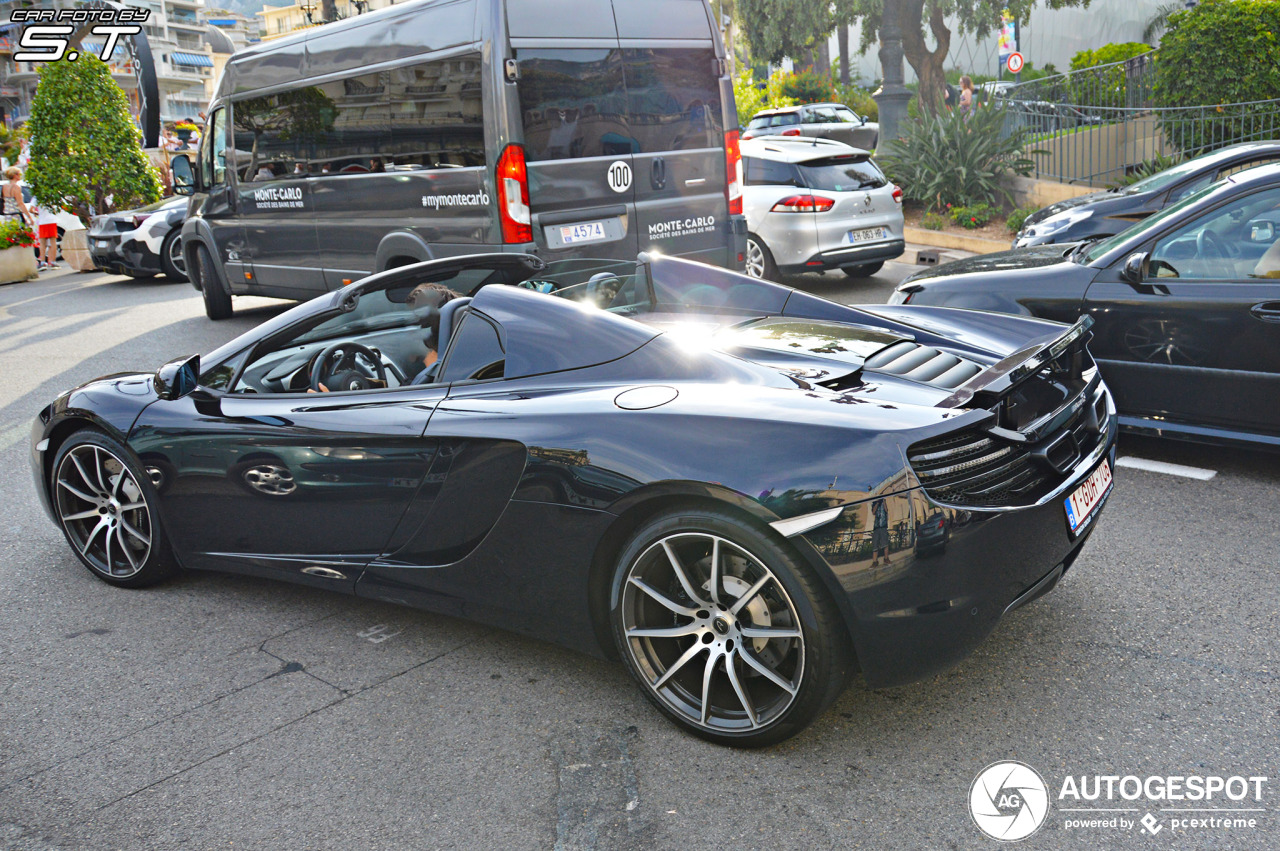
x=220, y=712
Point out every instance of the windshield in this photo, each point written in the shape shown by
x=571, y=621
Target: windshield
x=1164, y=179
x=842, y=174
x=1147, y=225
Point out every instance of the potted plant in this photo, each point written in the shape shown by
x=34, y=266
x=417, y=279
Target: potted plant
x=17, y=260
x=184, y=129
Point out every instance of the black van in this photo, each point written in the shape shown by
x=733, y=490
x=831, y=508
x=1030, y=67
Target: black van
x=566, y=128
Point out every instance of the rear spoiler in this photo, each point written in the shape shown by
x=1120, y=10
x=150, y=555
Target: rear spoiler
x=987, y=387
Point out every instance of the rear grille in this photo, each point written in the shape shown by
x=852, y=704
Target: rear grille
x=925, y=364
x=980, y=470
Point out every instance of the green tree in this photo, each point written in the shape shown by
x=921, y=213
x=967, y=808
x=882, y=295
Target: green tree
x=776, y=29
x=85, y=148
x=921, y=19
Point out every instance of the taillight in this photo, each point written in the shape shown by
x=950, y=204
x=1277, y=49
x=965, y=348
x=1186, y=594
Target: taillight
x=897, y=193
x=733, y=172
x=513, y=196
x=790, y=132
x=803, y=204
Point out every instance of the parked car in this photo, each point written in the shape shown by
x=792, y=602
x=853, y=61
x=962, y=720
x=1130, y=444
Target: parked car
x=142, y=243
x=816, y=204
x=718, y=478
x=822, y=120
x=1186, y=306
x=1107, y=213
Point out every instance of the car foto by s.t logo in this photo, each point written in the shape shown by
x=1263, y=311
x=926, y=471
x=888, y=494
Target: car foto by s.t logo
x=1008, y=801
x=48, y=31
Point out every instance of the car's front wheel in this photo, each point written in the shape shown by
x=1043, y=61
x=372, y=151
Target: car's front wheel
x=729, y=634
x=759, y=262
x=105, y=504
x=175, y=265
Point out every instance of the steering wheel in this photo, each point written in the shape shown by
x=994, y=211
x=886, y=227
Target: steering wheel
x=1210, y=246
x=353, y=377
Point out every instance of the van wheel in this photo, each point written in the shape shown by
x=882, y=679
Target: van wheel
x=171, y=258
x=759, y=262
x=866, y=270
x=217, y=303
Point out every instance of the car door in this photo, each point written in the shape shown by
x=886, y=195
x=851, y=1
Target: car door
x=1197, y=340
x=219, y=210
x=308, y=487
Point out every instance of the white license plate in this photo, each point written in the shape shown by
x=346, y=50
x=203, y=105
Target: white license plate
x=1085, y=499
x=103, y=243
x=865, y=235
x=589, y=232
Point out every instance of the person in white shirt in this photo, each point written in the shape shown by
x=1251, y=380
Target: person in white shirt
x=46, y=233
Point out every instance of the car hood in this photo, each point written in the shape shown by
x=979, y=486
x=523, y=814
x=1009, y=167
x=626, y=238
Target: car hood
x=1019, y=259
x=1100, y=204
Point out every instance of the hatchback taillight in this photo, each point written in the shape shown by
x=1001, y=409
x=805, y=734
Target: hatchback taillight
x=733, y=172
x=513, y=196
x=897, y=193
x=793, y=131
x=803, y=204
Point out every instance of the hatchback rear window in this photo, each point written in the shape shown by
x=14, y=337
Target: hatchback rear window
x=780, y=120
x=842, y=174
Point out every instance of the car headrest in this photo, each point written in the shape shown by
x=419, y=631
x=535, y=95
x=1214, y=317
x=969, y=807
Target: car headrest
x=448, y=319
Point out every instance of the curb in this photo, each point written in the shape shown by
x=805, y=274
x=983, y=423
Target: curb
x=942, y=239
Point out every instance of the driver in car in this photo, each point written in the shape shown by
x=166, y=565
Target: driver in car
x=425, y=300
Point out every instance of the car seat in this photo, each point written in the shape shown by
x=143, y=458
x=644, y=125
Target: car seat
x=449, y=316
x=1269, y=263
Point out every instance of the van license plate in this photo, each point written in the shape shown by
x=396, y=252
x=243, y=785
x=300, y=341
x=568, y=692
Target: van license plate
x=1085, y=499
x=589, y=232
x=865, y=235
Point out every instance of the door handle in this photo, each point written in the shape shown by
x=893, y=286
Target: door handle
x=1268, y=311
x=658, y=173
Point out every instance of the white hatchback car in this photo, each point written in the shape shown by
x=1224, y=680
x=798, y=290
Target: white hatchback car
x=816, y=204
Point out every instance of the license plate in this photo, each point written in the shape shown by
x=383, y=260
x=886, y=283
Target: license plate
x=1085, y=499
x=589, y=232
x=865, y=235
x=103, y=243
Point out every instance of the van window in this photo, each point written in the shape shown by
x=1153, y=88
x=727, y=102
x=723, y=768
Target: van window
x=213, y=154
x=276, y=133
x=573, y=104
x=437, y=118
x=355, y=138
x=674, y=99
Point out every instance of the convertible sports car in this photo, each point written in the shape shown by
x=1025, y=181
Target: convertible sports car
x=744, y=491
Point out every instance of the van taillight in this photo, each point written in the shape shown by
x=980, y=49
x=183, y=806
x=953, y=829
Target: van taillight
x=733, y=172
x=513, y=195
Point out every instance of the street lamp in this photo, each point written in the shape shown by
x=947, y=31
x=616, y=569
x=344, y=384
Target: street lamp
x=892, y=96
x=307, y=10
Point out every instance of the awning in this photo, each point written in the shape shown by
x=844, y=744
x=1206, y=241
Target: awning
x=195, y=60
x=96, y=49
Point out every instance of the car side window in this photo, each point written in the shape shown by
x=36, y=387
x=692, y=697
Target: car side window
x=1233, y=242
x=1245, y=166
x=847, y=116
x=761, y=172
x=821, y=115
x=476, y=352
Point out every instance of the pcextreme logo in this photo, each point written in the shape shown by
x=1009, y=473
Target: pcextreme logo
x=1009, y=801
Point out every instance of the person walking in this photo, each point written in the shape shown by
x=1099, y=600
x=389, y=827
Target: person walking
x=14, y=206
x=46, y=234
x=966, y=94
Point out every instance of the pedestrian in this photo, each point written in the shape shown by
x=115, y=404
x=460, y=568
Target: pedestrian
x=966, y=94
x=14, y=206
x=46, y=234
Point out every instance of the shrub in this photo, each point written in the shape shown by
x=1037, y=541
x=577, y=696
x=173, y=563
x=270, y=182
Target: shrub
x=808, y=87
x=858, y=99
x=954, y=158
x=750, y=97
x=1220, y=52
x=1106, y=87
x=1017, y=218
x=972, y=217
x=932, y=221
x=14, y=232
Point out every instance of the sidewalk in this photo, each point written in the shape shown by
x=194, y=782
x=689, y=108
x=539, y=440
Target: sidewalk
x=933, y=248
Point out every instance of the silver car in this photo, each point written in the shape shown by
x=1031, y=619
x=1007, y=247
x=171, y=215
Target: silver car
x=824, y=120
x=815, y=204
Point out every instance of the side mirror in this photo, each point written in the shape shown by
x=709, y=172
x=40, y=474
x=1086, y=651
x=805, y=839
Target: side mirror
x=178, y=377
x=184, y=182
x=1262, y=231
x=864, y=120
x=1135, y=268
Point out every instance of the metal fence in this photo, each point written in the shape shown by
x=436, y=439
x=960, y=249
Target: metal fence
x=1100, y=126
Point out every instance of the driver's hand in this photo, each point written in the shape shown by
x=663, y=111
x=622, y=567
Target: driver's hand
x=323, y=389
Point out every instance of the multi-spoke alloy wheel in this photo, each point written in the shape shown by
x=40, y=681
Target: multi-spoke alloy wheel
x=721, y=643
x=105, y=513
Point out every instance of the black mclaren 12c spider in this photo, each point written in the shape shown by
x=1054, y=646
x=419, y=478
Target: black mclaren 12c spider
x=746, y=492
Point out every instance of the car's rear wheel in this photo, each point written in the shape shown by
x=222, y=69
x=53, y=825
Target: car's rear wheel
x=171, y=258
x=866, y=270
x=759, y=261
x=217, y=301
x=105, y=504
x=729, y=634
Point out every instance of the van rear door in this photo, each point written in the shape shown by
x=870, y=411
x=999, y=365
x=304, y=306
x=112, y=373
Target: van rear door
x=577, y=141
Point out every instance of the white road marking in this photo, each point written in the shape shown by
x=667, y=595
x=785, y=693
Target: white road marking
x=1165, y=467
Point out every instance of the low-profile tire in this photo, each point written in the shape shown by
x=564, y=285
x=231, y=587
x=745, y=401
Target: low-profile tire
x=217, y=301
x=866, y=270
x=106, y=506
x=728, y=632
x=171, y=258
x=759, y=261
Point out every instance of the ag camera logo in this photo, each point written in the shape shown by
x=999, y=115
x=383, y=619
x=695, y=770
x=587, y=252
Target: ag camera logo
x=1008, y=801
